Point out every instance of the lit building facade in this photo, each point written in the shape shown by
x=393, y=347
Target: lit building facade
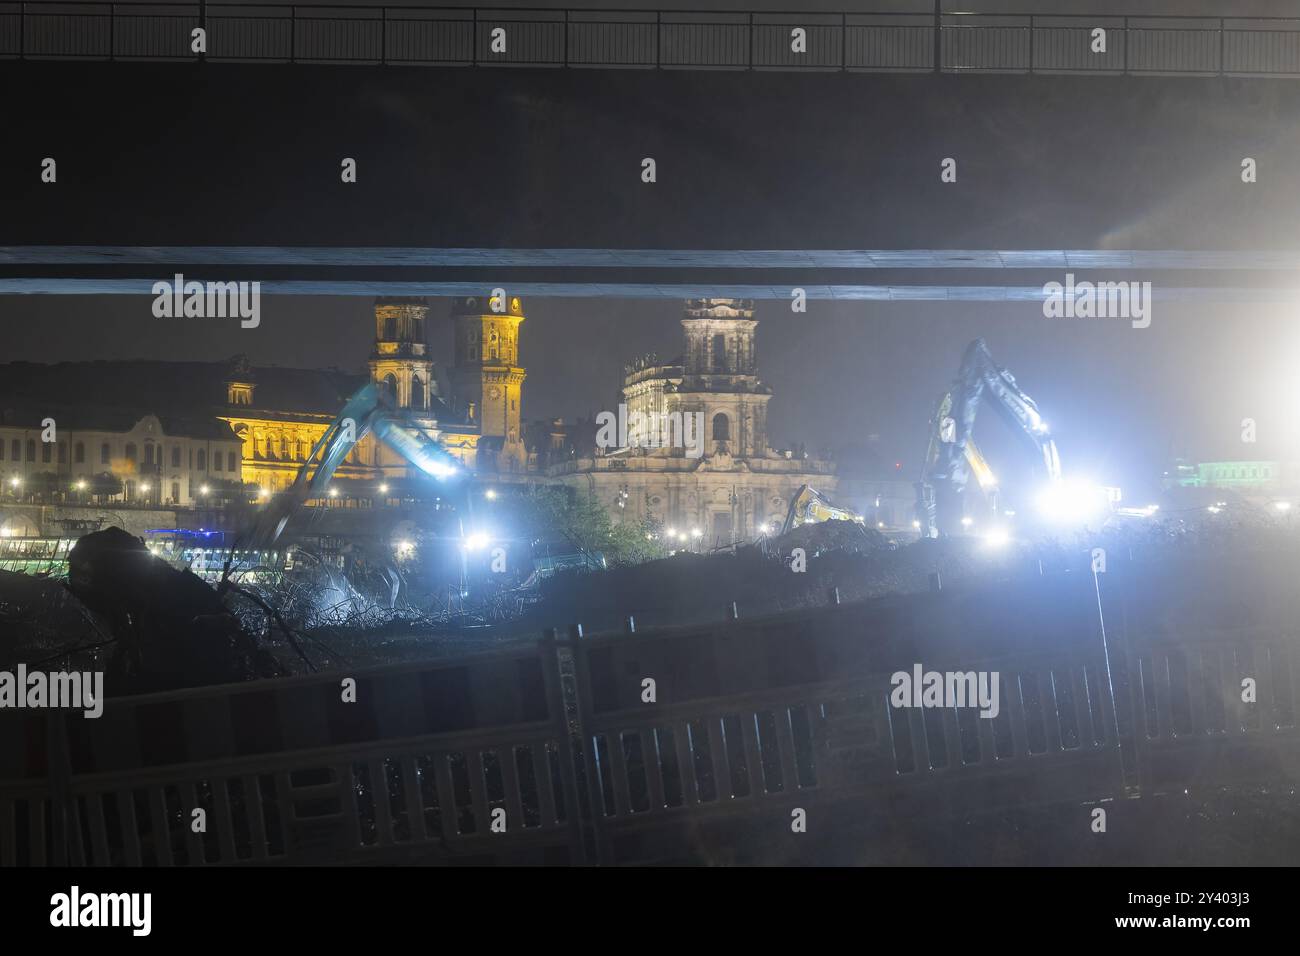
x=736, y=487
x=156, y=461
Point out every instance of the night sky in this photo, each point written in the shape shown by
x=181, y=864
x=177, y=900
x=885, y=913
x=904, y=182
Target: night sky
x=216, y=154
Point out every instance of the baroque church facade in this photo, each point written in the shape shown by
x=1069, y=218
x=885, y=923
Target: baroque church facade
x=737, y=487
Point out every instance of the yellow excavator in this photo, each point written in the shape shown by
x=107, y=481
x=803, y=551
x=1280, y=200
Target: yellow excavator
x=810, y=506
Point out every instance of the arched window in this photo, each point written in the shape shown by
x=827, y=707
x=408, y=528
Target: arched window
x=176, y=460
x=390, y=329
x=390, y=387
x=417, y=392
x=202, y=460
x=148, y=453
x=104, y=454
x=130, y=452
x=176, y=491
x=721, y=427
x=719, y=353
x=230, y=461
x=79, y=452
x=31, y=449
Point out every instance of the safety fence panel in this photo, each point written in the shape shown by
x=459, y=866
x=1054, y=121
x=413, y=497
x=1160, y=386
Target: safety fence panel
x=440, y=37
x=72, y=31
x=601, y=39
x=459, y=760
x=520, y=38
x=1077, y=45
x=888, y=44
x=1261, y=47
x=986, y=44
x=249, y=33
x=338, y=35
x=789, y=42
x=1159, y=46
x=1211, y=672
x=749, y=720
x=704, y=40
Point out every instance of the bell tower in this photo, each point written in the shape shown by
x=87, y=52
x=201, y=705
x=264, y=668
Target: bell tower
x=486, y=378
x=400, y=364
x=720, y=376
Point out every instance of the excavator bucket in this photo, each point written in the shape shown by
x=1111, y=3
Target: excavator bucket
x=810, y=506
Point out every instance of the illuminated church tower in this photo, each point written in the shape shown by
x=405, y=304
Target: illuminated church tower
x=486, y=378
x=400, y=363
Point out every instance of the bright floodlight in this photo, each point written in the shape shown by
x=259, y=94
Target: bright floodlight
x=1282, y=505
x=476, y=541
x=997, y=538
x=1072, y=502
x=81, y=486
x=15, y=481
x=490, y=494
x=916, y=524
x=144, y=486
x=383, y=489
x=204, y=489
x=966, y=521
x=696, y=533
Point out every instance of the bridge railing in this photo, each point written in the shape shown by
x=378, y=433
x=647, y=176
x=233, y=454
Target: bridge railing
x=690, y=743
x=647, y=39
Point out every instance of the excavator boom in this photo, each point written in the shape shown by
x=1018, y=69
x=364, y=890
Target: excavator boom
x=365, y=411
x=952, y=456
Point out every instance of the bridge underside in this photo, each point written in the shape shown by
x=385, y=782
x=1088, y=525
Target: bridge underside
x=988, y=275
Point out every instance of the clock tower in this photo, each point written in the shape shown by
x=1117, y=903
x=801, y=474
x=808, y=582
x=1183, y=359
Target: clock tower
x=486, y=378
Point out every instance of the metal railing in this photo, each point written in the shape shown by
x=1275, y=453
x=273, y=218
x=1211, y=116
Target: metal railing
x=651, y=39
x=1126, y=683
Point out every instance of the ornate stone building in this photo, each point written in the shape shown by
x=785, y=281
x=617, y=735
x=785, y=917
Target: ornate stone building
x=737, y=486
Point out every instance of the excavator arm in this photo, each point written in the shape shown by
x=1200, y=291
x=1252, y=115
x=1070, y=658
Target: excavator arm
x=365, y=411
x=951, y=456
x=810, y=506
